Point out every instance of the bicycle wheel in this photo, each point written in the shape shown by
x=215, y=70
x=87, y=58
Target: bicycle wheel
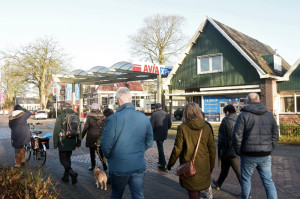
x=28, y=151
x=40, y=157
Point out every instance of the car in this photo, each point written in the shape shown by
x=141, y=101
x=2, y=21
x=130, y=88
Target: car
x=178, y=113
x=41, y=115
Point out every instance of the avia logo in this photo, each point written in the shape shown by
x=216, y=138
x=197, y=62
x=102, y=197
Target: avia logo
x=151, y=69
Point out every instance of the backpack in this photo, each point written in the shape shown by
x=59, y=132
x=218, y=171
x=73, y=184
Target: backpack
x=72, y=125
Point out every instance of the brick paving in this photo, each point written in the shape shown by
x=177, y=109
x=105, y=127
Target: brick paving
x=158, y=184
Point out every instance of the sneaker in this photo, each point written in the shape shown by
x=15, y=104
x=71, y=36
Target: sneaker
x=217, y=185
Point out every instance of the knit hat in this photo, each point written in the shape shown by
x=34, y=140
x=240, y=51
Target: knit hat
x=17, y=107
x=95, y=106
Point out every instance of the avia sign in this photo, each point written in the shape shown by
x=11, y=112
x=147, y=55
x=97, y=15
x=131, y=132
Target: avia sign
x=150, y=68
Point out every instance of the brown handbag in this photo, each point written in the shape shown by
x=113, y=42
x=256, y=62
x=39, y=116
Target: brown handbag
x=188, y=169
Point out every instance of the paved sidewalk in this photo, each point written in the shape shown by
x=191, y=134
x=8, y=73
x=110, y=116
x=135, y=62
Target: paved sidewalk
x=158, y=184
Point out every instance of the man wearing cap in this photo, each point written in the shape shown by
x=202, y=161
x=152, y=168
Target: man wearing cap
x=65, y=145
x=161, y=123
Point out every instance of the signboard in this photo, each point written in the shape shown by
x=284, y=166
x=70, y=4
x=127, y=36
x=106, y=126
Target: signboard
x=2, y=98
x=213, y=105
x=69, y=91
x=150, y=68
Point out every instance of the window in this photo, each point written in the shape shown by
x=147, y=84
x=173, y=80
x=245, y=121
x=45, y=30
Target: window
x=104, y=101
x=210, y=63
x=290, y=104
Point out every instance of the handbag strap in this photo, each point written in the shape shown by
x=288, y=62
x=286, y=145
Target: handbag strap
x=195, y=152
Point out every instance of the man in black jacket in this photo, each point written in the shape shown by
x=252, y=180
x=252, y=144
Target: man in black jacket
x=161, y=123
x=255, y=136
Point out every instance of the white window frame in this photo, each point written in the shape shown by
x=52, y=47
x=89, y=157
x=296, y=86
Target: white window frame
x=295, y=103
x=210, y=63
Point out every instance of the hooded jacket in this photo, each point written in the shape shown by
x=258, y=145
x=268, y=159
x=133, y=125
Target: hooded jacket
x=93, y=128
x=20, y=133
x=126, y=137
x=255, y=132
x=184, y=147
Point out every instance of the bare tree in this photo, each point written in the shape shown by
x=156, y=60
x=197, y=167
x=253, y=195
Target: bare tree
x=37, y=62
x=159, y=40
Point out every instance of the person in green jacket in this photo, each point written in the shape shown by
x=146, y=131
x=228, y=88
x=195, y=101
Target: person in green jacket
x=64, y=144
x=185, y=143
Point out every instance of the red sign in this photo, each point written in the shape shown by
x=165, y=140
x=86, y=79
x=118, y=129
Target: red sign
x=2, y=98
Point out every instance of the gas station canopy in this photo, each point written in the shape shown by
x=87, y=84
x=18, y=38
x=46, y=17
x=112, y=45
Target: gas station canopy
x=119, y=72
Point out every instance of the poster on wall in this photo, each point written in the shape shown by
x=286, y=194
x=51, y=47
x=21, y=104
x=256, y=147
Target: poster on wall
x=213, y=105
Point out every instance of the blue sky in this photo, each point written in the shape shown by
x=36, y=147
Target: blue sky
x=95, y=32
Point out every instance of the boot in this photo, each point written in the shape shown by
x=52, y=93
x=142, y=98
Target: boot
x=73, y=175
x=22, y=154
x=65, y=178
x=17, y=160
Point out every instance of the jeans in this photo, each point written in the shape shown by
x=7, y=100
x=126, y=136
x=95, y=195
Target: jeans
x=135, y=182
x=263, y=166
x=65, y=159
x=161, y=154
x=225, y=166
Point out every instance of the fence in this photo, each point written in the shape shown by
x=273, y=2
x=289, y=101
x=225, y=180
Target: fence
x=290, y=130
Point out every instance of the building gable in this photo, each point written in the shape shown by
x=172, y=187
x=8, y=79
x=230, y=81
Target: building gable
x=294, y=81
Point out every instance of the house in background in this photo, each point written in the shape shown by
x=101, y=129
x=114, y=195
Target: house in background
x=29, y=103
x=222, y=65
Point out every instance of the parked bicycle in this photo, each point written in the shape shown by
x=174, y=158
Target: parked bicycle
x=38, y=145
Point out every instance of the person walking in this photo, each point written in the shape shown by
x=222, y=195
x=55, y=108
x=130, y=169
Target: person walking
x=255, y=137
x=226, y=151
x=126, y=137
x=93, y=131
x=185, y=143
x=20, y=133
x=161, y=123
x=65, y=144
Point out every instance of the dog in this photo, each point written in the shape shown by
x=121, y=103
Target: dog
x=100, y=177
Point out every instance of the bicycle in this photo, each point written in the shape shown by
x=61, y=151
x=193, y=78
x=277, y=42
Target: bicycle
x=38, y=145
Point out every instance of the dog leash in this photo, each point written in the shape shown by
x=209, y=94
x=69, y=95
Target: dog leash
x=99, y=154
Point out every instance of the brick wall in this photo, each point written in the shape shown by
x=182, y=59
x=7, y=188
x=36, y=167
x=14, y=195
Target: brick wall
x=268, y=93
x=289, y=119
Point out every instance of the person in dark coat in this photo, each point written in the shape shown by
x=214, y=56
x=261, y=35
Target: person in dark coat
x=64, y=144
x=93, y=130
x=255, y=136
x=161, y=123
x=20, y=133
x=226, y=151
x=185, y=143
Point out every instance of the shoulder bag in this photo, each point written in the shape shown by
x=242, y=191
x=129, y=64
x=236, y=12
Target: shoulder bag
x=188, y=169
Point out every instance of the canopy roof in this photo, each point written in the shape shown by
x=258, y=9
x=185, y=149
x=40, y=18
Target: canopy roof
x=119, y=72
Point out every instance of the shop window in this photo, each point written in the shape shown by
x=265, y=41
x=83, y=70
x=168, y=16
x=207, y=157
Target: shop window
x=104, y=101
x=287, y=104
x=210, y=64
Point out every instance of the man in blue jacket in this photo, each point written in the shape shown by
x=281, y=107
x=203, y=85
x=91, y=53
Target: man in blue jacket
x=126, y=137
x=255, y=136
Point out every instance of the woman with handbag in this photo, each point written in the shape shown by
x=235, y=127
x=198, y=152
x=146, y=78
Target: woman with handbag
x=194, y=146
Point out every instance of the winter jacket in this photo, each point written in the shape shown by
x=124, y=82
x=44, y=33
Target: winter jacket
x=93, y=128
x=184, y=147
x=62, y=142
x=225, y=146
x=160, y=122
x=255, y=132
x=20, y=133
x=126, y=137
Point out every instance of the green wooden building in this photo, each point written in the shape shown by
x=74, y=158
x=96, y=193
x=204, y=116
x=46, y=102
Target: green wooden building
x=222, y=65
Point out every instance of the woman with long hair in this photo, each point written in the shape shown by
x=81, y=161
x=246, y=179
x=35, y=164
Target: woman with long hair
x=185, y=143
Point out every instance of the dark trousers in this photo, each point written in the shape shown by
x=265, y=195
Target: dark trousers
x=65, y=159
x=225, y=166
x=194, y=194
x=161, y=154
x=93, y=150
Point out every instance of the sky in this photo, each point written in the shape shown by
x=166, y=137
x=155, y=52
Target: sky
x=95, y=32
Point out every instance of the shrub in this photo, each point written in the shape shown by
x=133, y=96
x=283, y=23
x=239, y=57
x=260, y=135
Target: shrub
x=14, y=184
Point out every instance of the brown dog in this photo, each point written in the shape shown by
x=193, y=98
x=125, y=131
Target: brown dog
x=100, y=177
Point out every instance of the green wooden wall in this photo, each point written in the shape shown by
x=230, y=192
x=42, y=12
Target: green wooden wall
x=293, y=84
x=236, y=69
